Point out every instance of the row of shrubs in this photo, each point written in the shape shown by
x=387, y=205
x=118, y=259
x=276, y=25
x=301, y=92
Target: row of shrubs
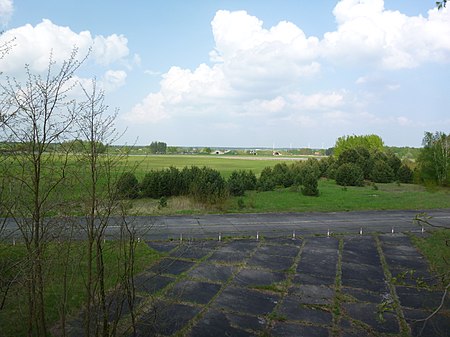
x=356, y=165
x=207, y=185
x=203, y=184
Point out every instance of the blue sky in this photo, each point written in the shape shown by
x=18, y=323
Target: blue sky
x=249, y=73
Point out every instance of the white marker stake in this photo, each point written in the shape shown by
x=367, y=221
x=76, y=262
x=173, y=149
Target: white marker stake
x=14, y=242
x=392, y=230
x=220, y=237
x=257, y=236
x=423, y=230
x=293, y=235
x=360, y=231
x=181, y=237
x=328, y=233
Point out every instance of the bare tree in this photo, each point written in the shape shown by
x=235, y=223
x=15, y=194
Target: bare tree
x=36, y=115
x=97, y=130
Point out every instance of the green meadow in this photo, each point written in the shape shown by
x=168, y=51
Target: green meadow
x=224, y=164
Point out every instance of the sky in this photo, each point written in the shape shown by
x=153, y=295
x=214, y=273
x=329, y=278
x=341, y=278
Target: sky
x=248, y=73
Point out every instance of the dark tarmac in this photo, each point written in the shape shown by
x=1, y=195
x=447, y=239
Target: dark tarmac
x=349, y=285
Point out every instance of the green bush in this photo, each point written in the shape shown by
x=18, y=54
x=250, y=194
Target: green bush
x=310, y=184
x=405, y=174
x=162, y=183
x=303, y=168
x=127, y=186
x=360, y=156
x=241, y=181
x=349, y=174
x=282, y=175
x=382, y=172
x=208, y=186
x=266, y=181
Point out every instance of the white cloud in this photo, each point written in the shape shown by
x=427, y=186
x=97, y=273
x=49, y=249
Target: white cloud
x=33, y=45
x=6, y=11
x=258, y=71
x=367, y=33
x=114, y=79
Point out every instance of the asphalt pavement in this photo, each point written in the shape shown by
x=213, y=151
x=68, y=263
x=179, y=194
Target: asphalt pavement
x=185, y=227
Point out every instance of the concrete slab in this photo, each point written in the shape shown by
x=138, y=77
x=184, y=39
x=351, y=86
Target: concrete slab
x=190, y=252
x=222, y=324
x=212, y=272
x=282, y=329
x=246, y=301
x=293, y=310
x=312, y=294
x=410, y=277
x=317, y=268
x=363, y=295
x=171, y=266
x=165, y=318
x=416, y=262
x=192, y=291
x=377, y=287
x=368, y=313
x=151, y=283
x=280, y=250
x=284, y=241
x=421, y=298
x=227, y=257
x=306, y=278
x=276, y=263
x=438, y=325
x=358, y=257
x=362, y=272
x=322, y=241
x=257, y=277
x=401, y=250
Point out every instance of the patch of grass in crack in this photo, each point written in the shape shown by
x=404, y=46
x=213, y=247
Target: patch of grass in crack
x=276, y=287
x=276, y=316
x=392, y=303
x=338, y=296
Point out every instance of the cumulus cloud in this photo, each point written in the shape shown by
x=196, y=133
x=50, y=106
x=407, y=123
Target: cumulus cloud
x=6, y=11
x=259, y=71
x=367, y=33
x=114, y=79
x=33, y=45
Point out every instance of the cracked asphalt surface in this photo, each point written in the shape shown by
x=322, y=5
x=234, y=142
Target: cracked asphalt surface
x=344, y=285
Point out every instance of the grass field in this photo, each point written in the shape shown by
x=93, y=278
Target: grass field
x=224, y=164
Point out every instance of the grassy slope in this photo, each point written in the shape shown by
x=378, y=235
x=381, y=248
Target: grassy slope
x=13, y=317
